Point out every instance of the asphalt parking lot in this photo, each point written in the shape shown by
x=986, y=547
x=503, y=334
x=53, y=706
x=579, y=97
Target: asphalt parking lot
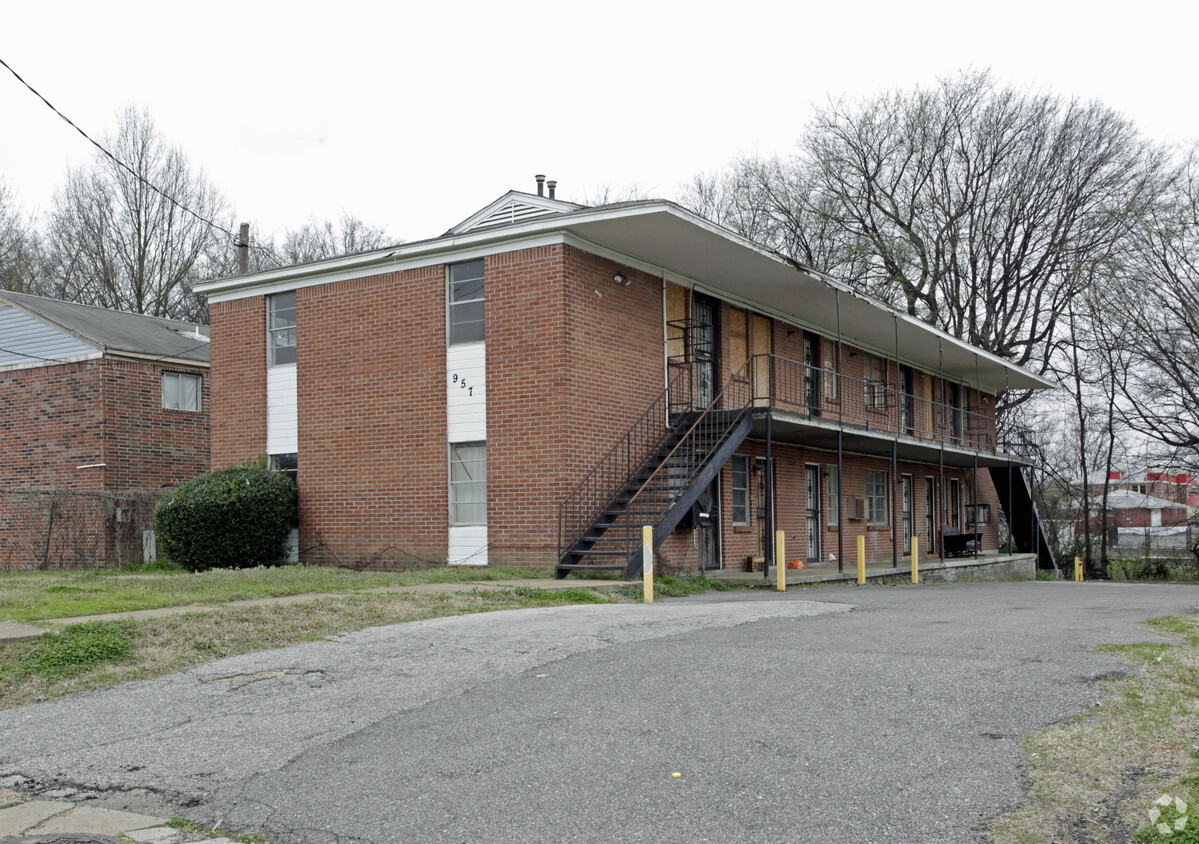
x=840, y=713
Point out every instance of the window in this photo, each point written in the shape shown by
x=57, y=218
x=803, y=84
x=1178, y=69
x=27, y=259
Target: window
x=876, y=383
x=828, y=354
x=468, y=483
x=740, y=489
x=466, y=302
x=978, y=514
x=180, y=391
x=876, y=497
x=833, y=496
x=288, y=464
x=281, y=328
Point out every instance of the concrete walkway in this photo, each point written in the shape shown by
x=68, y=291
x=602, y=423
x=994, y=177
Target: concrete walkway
x=42, y=821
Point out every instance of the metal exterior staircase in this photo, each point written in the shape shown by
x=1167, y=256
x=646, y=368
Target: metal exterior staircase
x=1025, y=525
x=600, y=521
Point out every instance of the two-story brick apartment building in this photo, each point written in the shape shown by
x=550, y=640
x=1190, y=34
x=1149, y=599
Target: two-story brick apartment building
x=528, y=387
x=99, y=410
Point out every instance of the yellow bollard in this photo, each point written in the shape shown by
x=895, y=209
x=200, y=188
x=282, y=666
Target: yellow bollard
x=861, y=560
x=1078, y=570
x=780, y=561
x=915, y=560
x=647, y=563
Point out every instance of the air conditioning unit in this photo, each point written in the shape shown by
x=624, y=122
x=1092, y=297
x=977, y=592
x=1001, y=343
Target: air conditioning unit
x=859, y=508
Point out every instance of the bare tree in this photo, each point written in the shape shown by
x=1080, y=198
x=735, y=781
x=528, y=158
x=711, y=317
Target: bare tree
x=606, y=194
x=966, y=205
x=18, y=246
x=317, y=240
x=134, y=239
x=1158, y=319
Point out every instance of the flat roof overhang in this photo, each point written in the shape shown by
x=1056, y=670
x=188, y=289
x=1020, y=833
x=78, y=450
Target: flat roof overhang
x=665, y=239
x=813, y=432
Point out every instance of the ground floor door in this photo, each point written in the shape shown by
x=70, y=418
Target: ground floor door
x=812, y=513
x=707, y=524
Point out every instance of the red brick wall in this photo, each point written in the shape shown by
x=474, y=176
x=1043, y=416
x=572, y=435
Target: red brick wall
x=59, y=418
x=148, y=446
x=51, y=422
x=238, y=380
x=573, y=359
x=370, y=362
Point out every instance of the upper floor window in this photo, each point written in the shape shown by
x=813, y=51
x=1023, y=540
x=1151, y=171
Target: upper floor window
x=180, y=391
x=828, y=354
x=466, y=302
x=281, y=328
x=876, y=382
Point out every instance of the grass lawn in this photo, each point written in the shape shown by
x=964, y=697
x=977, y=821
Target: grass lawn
x=103, y=653
x=32, y=596
x=1106, y=776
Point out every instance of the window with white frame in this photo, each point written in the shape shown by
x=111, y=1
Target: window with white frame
x=740, y=485
x=181, y=391
x=281, y=328
x=466, y=302
x=288, y=464
x=876, y=383
x=468, y=483
x=833, y=497
x=876, y=497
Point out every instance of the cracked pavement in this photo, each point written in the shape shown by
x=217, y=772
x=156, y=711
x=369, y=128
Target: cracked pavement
x=778, y=711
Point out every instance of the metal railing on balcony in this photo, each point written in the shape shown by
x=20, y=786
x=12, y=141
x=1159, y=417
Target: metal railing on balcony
x=870, y=405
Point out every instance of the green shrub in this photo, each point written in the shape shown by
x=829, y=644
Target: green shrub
x=236, y=517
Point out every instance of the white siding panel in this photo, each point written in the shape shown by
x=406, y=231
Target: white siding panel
x=468, y=546
x=282, y=416
x=29, y=341
x=466, y=406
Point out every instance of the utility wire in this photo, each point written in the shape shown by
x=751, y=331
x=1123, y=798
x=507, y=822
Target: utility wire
x=118, y=161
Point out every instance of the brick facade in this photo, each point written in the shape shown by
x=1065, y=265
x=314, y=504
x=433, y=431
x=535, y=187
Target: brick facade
x=573, y=358
x=88, y=447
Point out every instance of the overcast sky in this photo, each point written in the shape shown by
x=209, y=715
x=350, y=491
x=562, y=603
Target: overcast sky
x=413, y=116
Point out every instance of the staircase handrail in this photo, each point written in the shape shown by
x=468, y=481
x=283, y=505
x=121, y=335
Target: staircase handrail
x=650, y=428
x=743, y=380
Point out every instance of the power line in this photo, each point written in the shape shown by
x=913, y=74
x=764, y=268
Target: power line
x=116, y=160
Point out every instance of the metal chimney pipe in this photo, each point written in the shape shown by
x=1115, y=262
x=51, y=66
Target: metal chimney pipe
x=540, y=184
x=243, y=249
x=551, y=184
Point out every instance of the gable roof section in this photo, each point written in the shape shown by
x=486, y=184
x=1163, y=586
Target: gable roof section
x=664, y=239
x=114, y=333
x=513, y=207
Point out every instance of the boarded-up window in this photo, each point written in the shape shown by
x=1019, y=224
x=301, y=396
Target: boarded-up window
x=676, y=312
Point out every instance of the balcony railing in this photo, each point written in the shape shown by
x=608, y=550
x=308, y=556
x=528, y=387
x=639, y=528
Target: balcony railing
x=876, y=406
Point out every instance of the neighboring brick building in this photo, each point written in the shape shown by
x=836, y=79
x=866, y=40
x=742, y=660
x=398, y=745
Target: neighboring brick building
x=99, y=410
x=500, y=394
